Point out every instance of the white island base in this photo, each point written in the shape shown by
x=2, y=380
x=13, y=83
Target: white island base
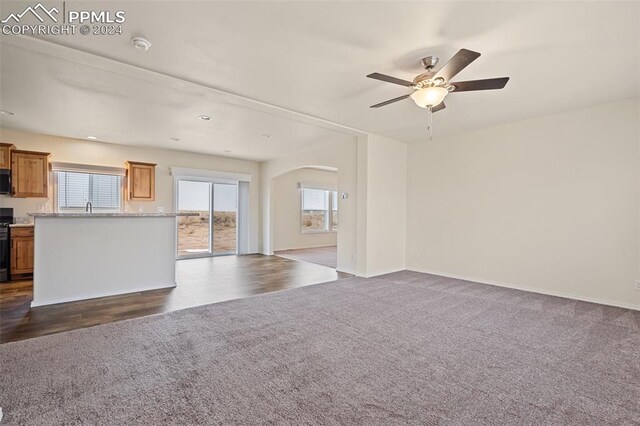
x=82, y=256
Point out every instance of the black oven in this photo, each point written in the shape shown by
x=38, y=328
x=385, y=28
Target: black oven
x=6, y=218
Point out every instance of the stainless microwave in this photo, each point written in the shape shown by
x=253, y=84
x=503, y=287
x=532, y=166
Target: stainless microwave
x=5, y=181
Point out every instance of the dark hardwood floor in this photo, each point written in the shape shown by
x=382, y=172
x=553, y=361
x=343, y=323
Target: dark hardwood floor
x=199, y=282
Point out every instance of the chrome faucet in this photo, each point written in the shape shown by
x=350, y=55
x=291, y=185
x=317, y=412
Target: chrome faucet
x=89, y=207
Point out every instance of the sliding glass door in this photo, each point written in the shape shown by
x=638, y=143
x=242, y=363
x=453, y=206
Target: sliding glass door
x=194, y=232
x=213, y=231
x=225, y=215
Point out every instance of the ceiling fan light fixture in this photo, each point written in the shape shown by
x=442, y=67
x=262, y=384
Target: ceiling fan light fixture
x=429, y=96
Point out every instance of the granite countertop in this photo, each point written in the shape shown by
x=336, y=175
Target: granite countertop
x=76, y=215
x=21, y=225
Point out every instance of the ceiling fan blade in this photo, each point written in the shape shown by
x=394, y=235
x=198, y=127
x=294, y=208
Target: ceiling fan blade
x=390, y=101
x=488, y=84
x=456, y=64
x=438, y=107
x=389, y=79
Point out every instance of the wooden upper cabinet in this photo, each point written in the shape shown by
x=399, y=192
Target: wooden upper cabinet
x=5, y=155
x=141, y=181
x=29, y=174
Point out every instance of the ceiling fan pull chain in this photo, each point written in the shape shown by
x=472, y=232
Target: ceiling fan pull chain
x=430, y=123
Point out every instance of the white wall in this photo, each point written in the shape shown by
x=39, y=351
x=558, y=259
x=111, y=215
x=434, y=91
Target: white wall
x=383, y=172
x=361, y=224
x=549, y=204
x=86, y=257
x=372, y=171
x=341, y=156
x=287, y=198
x=91, y=152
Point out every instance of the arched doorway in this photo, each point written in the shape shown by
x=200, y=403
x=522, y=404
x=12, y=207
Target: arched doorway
x=305, y=215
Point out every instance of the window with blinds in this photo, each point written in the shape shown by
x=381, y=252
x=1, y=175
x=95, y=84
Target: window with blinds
x=75, y=189
x=319, y=210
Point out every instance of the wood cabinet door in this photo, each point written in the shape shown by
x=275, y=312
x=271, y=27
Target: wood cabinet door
x=29, y=174
x=5, y=155
x=22, y=255
x=142, y=181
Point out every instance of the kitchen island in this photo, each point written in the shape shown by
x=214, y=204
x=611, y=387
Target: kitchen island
x=87, y=255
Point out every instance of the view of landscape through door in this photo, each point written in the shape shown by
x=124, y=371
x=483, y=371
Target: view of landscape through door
x=214, y=230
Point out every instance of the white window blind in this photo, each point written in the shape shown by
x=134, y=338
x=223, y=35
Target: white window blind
x=58, y=166
x=311, y=185
x=315, y=199
x=75, y=189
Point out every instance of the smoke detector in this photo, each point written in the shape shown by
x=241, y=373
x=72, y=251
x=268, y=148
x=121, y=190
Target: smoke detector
x=141, y=43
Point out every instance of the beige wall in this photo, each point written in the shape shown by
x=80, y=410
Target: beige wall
x=96, y=153
x=549, y=204
x=341, y=156
x=383, y=189
x=372, y=171
x=286, y=198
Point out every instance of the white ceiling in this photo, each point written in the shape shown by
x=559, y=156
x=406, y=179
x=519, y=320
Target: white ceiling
x=312, y=58
x=52, y=91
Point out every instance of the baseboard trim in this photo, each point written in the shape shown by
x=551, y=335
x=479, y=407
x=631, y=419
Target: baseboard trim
x=346, y=271
x=35, y=304
x=390, y=271
x=529, y=289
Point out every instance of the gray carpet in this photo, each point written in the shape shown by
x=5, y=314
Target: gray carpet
x=406, y=348
x=325, y=256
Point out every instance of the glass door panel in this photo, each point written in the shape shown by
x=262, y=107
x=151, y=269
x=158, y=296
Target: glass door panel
x=194, y=232
x=225, y=214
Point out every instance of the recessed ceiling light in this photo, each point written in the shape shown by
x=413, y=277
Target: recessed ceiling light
x=5, y=112
x=175, y=139
x=141, y=43
x=205, y=117
x=266, y=135
x=93, y=138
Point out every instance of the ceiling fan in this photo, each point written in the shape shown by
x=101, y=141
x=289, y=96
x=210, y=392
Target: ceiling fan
x=430, y=88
